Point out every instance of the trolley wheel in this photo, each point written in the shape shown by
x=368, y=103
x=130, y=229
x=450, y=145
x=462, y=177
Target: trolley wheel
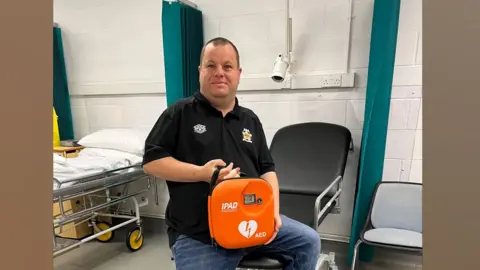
x=132, y=242
x=106, y=237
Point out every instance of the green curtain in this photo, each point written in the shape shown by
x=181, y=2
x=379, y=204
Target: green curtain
x=61, y=96
x=380, y=76
x=182, y=28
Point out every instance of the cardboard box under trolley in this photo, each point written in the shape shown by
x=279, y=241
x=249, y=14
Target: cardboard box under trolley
x=75, y=229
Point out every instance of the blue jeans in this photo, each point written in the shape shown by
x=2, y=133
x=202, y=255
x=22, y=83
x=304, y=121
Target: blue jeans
x=296, y=245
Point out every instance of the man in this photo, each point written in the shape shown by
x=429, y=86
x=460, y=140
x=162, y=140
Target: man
x=190, y=140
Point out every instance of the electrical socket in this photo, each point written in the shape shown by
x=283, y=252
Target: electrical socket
x=337, y=80
x=331, y=80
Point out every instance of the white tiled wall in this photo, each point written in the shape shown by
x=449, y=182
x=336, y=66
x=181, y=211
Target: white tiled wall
x=117, y=45
x=112, y=46
x=93, y=113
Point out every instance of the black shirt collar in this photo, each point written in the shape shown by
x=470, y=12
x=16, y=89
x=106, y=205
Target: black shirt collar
x=204, y=101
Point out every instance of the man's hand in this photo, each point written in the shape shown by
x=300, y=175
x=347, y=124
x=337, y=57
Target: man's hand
x=209, y=168
x=233, y=173
x=170, y=169
x=278, y=225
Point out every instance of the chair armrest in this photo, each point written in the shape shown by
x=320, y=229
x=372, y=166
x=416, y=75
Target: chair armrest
x=320, y=214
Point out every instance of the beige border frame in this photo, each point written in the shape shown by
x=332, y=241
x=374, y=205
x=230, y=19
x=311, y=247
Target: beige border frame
x=451, y=129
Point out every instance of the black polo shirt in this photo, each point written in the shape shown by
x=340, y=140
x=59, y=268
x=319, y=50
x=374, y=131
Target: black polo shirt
x=193, y=131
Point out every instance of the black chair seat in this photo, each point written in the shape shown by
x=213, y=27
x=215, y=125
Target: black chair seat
x=258, y=262
x=301, y=207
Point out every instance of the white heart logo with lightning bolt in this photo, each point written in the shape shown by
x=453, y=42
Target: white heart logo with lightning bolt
x=247, y=229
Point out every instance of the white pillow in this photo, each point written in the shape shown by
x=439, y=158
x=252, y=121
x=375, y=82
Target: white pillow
x=121, y=139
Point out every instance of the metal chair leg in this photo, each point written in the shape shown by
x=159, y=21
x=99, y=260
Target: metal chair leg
x=326, y=261
x=355, y=252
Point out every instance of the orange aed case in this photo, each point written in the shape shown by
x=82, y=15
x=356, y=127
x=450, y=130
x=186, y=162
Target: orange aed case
x=240, y=212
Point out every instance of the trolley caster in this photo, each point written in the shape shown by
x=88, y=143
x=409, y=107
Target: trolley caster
x=135, y=239
x=102, y=226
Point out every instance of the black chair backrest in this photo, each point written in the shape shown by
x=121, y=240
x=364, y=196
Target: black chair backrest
x=310, y=156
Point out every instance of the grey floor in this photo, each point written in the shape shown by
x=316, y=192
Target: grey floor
x=155, y=254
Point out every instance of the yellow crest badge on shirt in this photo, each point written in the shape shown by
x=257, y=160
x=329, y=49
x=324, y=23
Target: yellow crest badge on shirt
x=247, y=136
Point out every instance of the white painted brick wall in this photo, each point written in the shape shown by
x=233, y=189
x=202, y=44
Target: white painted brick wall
x=117, y=44
x=112, y=46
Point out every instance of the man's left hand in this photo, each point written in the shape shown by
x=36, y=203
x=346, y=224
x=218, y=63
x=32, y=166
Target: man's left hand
x=278, y=225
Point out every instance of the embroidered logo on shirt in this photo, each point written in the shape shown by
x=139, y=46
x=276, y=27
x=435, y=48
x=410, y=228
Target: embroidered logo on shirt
x=247, y=136
x=199, y=129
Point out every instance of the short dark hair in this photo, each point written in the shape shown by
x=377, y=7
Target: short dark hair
x=220, y=41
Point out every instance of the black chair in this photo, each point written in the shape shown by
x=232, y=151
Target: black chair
x=310, y=163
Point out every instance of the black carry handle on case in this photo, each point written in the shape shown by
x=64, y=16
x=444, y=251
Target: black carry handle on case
x=213, y=180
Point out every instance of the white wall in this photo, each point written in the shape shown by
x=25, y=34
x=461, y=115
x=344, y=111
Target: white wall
x=115, y=46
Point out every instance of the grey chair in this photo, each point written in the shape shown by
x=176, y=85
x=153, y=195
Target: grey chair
x=395, y=218
x=310, y=161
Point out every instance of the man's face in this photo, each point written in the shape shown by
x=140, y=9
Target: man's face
x=219, y=71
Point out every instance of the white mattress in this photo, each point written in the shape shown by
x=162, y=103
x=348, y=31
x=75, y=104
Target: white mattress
x=90, y=161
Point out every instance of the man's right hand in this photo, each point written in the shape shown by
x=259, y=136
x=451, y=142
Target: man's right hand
x=173, y=170
x=209, y=168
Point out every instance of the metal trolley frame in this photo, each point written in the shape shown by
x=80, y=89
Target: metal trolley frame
x=96, y=188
